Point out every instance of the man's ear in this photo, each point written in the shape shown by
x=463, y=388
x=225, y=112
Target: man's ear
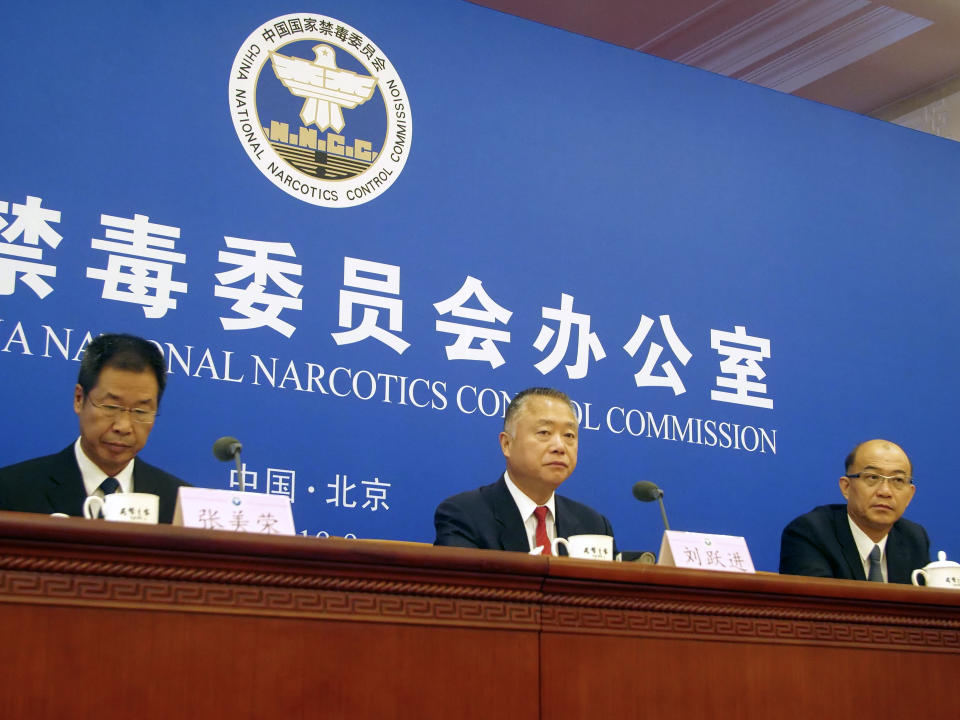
x=505, y=440
x=844, y=483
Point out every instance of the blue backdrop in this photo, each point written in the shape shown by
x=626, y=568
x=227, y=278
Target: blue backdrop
x=577, y=181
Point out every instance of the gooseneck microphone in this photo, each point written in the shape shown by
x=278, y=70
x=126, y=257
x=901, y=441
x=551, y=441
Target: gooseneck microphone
x=646, y=491
x=226, y=449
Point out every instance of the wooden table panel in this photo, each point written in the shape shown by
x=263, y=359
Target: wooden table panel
x=585, y=676
x=64, y=662
x=112, y=620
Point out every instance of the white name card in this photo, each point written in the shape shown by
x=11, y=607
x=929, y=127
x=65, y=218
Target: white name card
x=703, y=551
x=234, y=511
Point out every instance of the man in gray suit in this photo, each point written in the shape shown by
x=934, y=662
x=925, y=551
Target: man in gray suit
x=116, y=399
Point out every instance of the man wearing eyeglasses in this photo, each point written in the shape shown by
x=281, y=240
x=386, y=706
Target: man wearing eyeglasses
x=866, y=539
x=116, y=399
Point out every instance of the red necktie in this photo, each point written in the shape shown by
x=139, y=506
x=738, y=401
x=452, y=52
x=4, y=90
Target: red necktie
x=540, y=537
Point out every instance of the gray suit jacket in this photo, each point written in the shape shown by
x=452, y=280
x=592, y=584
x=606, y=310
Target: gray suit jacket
x=820, y=544
x=53, y=483
x=488, y=518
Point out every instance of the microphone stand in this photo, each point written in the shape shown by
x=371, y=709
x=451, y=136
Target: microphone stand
x=240, y=478
x=663, y=512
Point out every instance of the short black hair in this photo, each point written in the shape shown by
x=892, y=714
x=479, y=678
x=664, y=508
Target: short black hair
x=123, y=352
x=520, y=398
x=851, y=458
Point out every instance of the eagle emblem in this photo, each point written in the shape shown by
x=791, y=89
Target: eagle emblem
x=324, y=87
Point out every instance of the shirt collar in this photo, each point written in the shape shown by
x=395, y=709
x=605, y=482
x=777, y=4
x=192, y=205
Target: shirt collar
x=92, y=475
x=864, y=543
x=524, y=503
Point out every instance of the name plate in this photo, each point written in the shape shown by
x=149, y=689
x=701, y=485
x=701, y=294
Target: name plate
x=703, y=551
x=234, y=511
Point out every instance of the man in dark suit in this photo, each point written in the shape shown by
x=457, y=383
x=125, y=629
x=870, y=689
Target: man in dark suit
x=521, y=511
x=116, y=400
x=866, y=539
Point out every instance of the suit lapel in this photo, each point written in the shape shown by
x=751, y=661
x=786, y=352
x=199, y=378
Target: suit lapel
x=511, y=531
x=65, y=490
x=567, y=522
x=897, y=561
x=847, y=544
x=143, y=481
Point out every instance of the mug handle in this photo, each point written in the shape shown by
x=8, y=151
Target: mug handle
x=915, y=573
x=90, y=501
x=557, y=542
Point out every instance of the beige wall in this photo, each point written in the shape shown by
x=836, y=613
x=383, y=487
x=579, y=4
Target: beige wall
x=935, y=111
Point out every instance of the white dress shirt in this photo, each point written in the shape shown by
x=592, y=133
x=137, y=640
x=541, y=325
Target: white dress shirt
x=865, y=546
x=526, y=506
x=93, y=475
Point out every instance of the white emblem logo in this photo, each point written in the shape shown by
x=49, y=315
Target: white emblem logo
x=320, y=110
x=325, y=87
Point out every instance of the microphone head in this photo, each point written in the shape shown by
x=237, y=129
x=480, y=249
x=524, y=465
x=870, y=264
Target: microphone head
x=226, y=447
x=646, y=491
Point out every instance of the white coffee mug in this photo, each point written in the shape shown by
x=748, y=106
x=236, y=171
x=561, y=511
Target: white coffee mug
x=125, y=507
x=590, y=547
x=942, y=573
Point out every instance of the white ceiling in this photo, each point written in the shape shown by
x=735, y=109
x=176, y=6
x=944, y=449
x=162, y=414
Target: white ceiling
x=855, y=54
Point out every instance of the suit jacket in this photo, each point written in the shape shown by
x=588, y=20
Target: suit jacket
x=489, y=519
x=53, y=483
x=820, y=544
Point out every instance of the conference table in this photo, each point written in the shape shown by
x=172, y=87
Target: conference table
x=118, y=620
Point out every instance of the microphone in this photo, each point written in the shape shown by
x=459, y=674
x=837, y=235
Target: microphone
x=227, y=448
x=646, y=491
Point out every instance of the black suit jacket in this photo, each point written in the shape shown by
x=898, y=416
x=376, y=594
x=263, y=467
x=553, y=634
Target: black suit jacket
x=489, y=519
x=53, y=484
x=820, y=544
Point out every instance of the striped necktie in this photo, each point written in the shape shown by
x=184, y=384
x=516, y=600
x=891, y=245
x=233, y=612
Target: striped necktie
x=108, y=486
x=876, y=574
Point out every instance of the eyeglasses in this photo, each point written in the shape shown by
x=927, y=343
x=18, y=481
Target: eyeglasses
x=872, y=479
x=138, y=415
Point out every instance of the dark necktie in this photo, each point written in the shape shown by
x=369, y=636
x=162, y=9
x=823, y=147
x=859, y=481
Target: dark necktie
x=108, y=486
x=540, y=537
x=876, y=574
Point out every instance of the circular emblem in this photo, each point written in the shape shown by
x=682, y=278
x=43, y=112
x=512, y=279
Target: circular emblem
x=320, y=110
